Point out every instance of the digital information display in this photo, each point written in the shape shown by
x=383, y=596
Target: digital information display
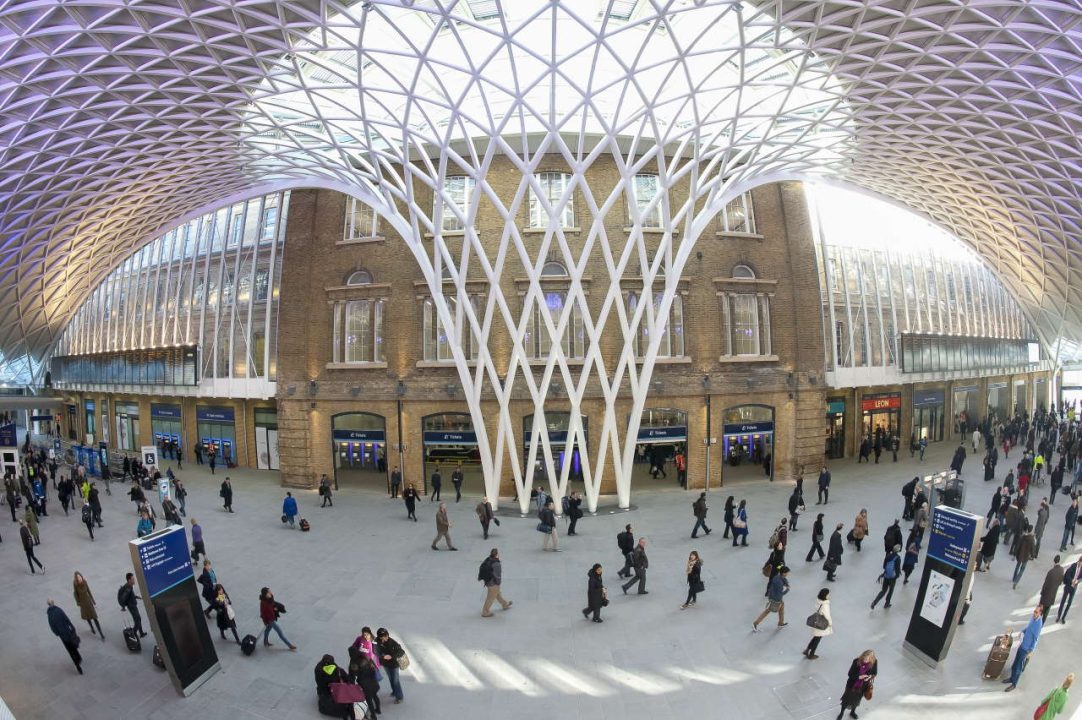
x=165, y=560
x=951, y=537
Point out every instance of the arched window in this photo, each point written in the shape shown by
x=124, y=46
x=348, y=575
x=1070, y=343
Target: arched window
x=553, y=269
x=743, y=272
x=360, y=277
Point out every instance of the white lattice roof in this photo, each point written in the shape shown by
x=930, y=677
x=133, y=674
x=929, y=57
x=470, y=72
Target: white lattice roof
x=117, y=120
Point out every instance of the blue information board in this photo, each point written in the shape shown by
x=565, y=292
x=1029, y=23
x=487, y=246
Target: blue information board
x=951, y=536
x=9, y=435
x=164, y=559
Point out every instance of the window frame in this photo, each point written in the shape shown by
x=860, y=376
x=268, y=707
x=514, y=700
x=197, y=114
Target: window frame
x=356, y=222
x=450, y=222
x=651, y=220
x=748, y=223
x=537, y=219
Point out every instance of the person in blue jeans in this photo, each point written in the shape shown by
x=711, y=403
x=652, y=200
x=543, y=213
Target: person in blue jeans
x=1030, y=636
x=391, y=656
x=1071, y=521
x=269, y=612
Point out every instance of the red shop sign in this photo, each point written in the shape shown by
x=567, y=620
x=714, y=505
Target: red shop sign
x=891, y=402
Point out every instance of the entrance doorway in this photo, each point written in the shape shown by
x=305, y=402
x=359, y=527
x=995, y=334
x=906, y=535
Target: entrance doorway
x=835, y=430
x=748, y=443
x=663, y=437
x=360, y=450
x=557, y=425
x=450, y=444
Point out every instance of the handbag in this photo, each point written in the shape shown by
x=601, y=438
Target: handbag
x=698, y=587
x=496, y=520
x=230, y=612
x=543, y=528
x=1042, y=708
x=868, y=690
x=739, y=524
x=346, y=693
x=284, y=518
x=767, y=567
x=830, y=566
x=818, y=620
x=403, y=661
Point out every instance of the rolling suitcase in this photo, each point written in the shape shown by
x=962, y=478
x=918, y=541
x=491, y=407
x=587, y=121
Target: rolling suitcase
x=997, y=657
x=156, y=658
x=131, y=638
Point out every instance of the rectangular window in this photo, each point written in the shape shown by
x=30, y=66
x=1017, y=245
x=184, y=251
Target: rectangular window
x=458, y=190
x=437, y=341
x=553, y=186
x=361, y=220
x=645, y=188
x=672, y=331
x=738, y=216
x=745, y=327
x=538, y=340
x=358, y=331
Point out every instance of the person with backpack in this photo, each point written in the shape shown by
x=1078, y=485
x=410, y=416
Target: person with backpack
x=573, y=511
x=325, y=491
x=270, y=610
x=547, y=526
x=892, y=568
x=626, y=542
x=87, y=516
x=485, y=515
x=698, y=509
x=491, y=574
x=128, y=600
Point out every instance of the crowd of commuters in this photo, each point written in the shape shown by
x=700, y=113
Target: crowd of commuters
x=1050, y=454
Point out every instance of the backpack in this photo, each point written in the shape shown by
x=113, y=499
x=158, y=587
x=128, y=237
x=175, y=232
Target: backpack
x=774, y=539
x=890, y=569
x=484, y=573
x=625, y=541
x=87, y=515
x=565, y=504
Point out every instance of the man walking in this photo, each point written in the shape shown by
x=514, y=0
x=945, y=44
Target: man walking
x=817, y=539
x=626, y=542
x=227, y=493
x=396, y=481
x=892, y=567
x=1038, y=528
x=437, y=483
x=484, y=514
x=775, y=599
x=63, y=629
x=443, y=528
x=1030, y=636
x=1050, y=588
x=547, y=516
x=127, y=599
x=698, y=509
x=1025, y=553
x=1071, y=521
x=28, y=547
x=640, y=563
x=491, y=574
x=325, y=491
x=574, y=511
x=181, y=494
x=457, y=477
x=796, y=506
x=198, y=548
x=907, y=492
x=824, y=486
x=1070, y=584
x=834, y=552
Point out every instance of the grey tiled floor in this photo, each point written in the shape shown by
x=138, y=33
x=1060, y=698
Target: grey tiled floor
x=364, y=564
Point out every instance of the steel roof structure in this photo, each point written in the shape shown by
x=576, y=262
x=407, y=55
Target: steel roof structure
x=121, y=119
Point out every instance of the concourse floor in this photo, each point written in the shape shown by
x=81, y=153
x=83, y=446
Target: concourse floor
x=365, y=564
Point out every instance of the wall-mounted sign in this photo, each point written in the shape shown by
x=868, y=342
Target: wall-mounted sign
x=748, y=428
x=205, y=413
x=672, y=433
x=881, y=402
x=165, y=411
x=441, y=437
x=923, y=398
x=359, y=435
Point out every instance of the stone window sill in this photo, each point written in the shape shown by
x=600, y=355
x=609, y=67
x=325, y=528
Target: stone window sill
x=356, y=365
x=748, y=358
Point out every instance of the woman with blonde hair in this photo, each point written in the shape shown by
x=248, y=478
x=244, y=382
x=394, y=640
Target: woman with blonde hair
x=1055, y=701
x=85, y=600
x=860, y=682
x=693, y=570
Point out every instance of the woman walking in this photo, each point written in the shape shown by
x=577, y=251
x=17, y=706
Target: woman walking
x=85, y=600
x=860, y=528
x=227, y=617
x=409, y=496
x=740, y=524
x=818, y=633
x=596, y=595
x=989, y=543
x=270, y=610
x=860, y=682
x=910, y=561
x=730, y=514
x=1055, y=701
x=694, y=574
x=774, y=564
x=817, y=539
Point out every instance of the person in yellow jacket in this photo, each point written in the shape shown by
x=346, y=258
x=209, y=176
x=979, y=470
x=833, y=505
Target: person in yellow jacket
x=1054, y=703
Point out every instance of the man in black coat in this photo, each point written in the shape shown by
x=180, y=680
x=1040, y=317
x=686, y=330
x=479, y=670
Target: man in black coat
x=127, y=599
x=892, y=537
x=834, y=552
x=959, y=458
x=824, y=486
x=796, y=501
x=640, y=563
x=574, y=511
x=908, y=491
x=63, y=629
x=626, y=542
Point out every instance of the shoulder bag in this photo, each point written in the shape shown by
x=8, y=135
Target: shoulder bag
x=818, y=620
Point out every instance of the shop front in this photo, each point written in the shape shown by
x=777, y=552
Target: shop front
x=999, y=402
x=450, y=444
x=835, y=430
x=216, y=430
x=663, y=435
x=557, y=428
x=928, y=415
x=165, y=426
x=360, y=450
x=881, y=415
x=266, y=438
x=964, y=409
x=127, y=426
x=747, y=443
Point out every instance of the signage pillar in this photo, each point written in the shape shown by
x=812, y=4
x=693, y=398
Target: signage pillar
x=953, y=537
x=163, y=570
